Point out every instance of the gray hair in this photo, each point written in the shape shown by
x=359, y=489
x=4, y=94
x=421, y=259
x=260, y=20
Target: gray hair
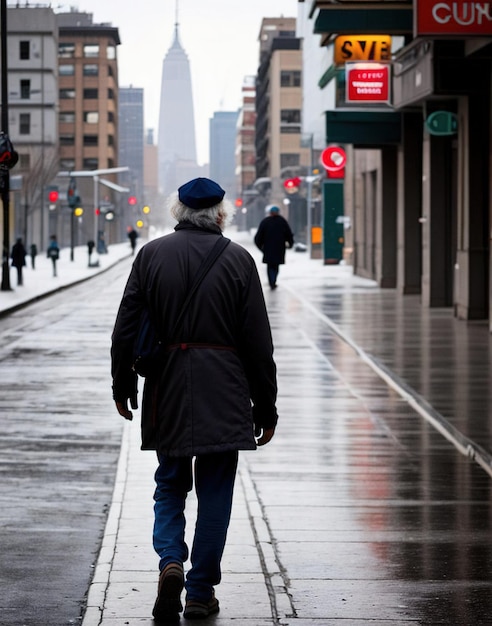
x=219, y=215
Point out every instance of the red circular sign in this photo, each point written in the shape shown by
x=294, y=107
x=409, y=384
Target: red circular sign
x=333, y=158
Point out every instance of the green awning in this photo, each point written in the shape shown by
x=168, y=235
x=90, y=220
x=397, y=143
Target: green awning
x=363, y=129
x=328, y=76
x=366, y=21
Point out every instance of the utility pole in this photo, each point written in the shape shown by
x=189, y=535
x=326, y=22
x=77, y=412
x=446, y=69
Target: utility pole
x=4, y=172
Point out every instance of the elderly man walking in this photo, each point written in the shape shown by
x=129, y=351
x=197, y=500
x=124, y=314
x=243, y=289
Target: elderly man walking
x=211, y=394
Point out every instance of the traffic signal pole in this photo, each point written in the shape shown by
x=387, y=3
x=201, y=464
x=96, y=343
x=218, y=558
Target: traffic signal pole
x=4, y=172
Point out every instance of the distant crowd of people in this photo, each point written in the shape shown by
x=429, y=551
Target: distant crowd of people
x=19, y=254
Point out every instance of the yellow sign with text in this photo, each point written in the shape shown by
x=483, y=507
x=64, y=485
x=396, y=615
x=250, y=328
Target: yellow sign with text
x=362, y=48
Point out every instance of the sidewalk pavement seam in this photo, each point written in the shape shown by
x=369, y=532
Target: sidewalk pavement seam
x=98, y=589
x=273, y=572
x=463, y=444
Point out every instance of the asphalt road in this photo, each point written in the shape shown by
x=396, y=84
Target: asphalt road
x=59, y=445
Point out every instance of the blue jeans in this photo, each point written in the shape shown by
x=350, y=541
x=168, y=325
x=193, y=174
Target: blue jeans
x=214, y=485
x=272, y=272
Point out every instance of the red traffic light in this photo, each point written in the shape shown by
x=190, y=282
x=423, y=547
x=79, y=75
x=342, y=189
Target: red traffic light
x=292, y=184
x=97, y=211
x=53, y=196
x=132, y=200
x=238, y=202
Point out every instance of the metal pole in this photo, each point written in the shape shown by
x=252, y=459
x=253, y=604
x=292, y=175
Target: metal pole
x=96, y=207
x=5, y=177
x=309, y=215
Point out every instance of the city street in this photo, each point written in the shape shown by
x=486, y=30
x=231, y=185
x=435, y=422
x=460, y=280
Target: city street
x=60, y=441
x=362, y=510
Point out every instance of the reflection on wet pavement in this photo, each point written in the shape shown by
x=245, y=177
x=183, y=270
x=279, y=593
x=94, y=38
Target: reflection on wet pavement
x=373, y=513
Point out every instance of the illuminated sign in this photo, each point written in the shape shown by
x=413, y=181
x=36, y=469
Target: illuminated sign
x=333, y=158
x=362, y=48
x=367, y=82
x=456, y=17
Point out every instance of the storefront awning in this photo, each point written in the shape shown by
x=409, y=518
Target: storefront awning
x=363, y=129
x=370, y=22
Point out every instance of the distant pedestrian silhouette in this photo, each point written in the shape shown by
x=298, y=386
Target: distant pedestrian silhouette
x=33, y=252
x=272, y=236
x=53, y=252
x=18, y=256
x=132, y=236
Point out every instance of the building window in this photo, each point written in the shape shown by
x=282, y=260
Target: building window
x=24, y=161
x=25, y=50
x=90, y=164
x=110, y=140
x=67, y=140
x=110, y=71
x=290, y=121
x=110, y=116
x=91, y=117
x=90, y=94
x=25, y=89
x=111, y=163
x=289, y=160
x=91, y=140
x=24, y=124
x=91, y=50
x=66, y=70
x=66, y=94
x=110, y=94
x=67, y=164
x=290, y=78
x=91, y=69
x=66, y=50
x=66, y=117
x=111, y=52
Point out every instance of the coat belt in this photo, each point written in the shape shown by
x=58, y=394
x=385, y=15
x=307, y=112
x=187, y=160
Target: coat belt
x=184, y=345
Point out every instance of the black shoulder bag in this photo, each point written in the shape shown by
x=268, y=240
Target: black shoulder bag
x=148, y=350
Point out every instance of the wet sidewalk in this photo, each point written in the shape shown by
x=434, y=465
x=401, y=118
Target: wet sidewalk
x=370, y=505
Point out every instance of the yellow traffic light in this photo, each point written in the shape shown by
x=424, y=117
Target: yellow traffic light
x=78, y=212
x=140, y=224
x=146, y=209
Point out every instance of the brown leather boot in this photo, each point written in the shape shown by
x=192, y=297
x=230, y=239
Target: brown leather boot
x=168, y=603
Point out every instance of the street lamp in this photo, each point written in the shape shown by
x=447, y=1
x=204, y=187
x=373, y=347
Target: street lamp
x=5, y=180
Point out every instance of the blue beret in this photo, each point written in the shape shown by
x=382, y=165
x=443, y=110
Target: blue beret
x=200, y=193
x=274, y=209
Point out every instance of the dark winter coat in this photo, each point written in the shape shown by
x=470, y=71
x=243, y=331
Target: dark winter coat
x=271, y=237
x=220, y=377
x=18, y=254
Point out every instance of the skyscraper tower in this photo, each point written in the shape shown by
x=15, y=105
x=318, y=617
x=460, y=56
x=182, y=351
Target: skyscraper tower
x=176, y=138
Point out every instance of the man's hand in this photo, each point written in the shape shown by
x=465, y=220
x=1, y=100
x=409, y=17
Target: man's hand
x=265, y=436
x=123, y=410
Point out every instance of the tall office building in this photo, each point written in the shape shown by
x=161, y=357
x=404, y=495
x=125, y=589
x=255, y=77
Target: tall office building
x=33, y=124
x=131, y=151
x=279, y=153
x=88, y=117
x=223, y=131
x=176, y=138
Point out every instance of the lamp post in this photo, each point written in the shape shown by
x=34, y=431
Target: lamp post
x=4, y=172
x=310, y=180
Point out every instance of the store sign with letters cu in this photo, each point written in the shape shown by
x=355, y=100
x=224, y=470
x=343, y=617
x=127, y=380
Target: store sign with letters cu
x=453, y=17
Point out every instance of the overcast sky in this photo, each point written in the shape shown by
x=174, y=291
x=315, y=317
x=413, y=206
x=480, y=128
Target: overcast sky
x=219, y=36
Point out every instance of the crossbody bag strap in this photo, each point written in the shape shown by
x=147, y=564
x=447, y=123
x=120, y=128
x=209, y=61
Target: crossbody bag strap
x=219, y=247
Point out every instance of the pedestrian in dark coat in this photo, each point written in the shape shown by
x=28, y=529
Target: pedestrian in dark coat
x=132, y=236
x=53, y=252
x=272, y=236
x=34, y=253
x=216, y=388
x=18, y=256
